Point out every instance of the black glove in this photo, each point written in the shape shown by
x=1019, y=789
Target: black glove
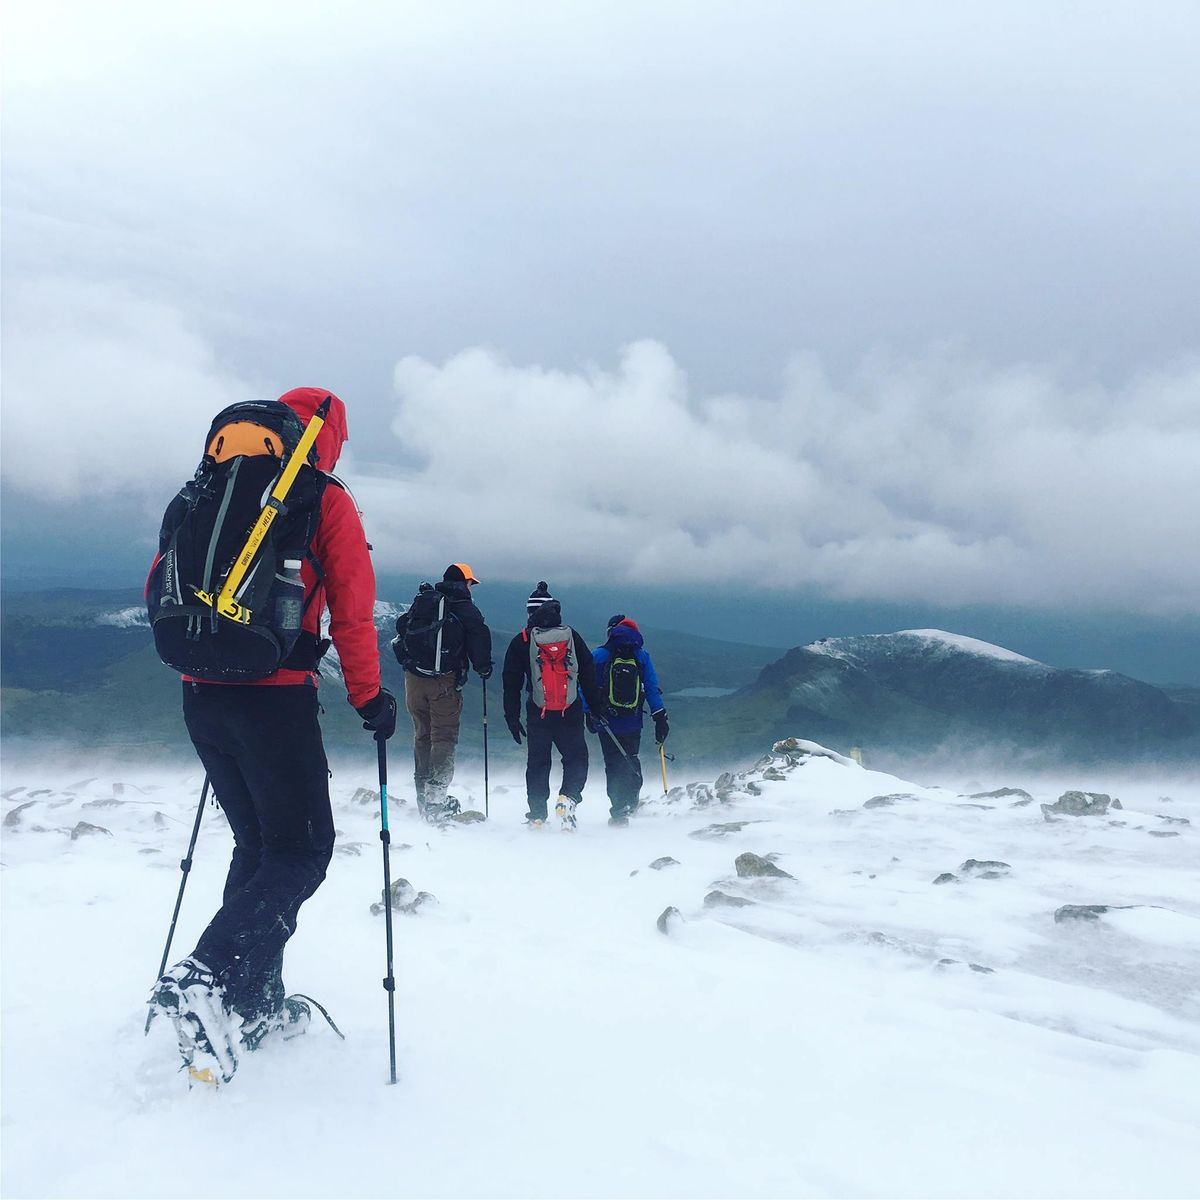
x=515, y=728
x=484, y=672
x=661, y=728
x=379, y=714
x=589, y=722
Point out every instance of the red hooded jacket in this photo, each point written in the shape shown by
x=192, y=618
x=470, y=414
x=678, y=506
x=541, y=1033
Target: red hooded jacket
x=340, y=546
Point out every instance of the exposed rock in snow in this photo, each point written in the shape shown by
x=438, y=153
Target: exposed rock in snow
x=1079, y=804
x=405, y=899
x=750, y=865
x=985, y=869
x=84, y=829
x=669, y=920
x=1079, y=912
x=714, y=833
x=889, y=800
x=1000, y=794
x=719, y=899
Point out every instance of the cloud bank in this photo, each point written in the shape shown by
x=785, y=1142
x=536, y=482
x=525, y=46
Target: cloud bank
x=107, y=391
x=943, y=480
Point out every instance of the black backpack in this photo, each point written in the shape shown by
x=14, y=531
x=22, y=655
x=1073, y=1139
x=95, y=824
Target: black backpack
x=624, y=683
x=205, y=530
x=430, y=639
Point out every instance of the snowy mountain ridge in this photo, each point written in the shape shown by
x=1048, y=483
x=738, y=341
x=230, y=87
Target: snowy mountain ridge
x=870, y=646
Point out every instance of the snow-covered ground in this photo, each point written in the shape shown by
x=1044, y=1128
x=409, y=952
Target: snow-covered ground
x=856, y=1030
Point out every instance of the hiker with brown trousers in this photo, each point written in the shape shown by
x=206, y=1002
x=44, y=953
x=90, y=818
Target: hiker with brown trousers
x=437, y=638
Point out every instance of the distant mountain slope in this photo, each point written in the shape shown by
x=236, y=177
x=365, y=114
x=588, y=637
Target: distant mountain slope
x=921, y=691
x=79, y=665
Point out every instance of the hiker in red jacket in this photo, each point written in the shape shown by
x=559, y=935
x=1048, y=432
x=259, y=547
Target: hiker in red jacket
x=261, y=746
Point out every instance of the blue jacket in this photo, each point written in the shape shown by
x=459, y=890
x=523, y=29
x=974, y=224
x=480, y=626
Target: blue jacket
x=625, y=642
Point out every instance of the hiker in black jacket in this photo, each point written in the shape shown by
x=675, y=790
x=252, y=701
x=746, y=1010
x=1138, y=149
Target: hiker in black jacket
x=552, y=665
x=433, y=689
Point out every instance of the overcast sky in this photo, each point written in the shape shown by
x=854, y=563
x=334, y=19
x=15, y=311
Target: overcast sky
x=894, y=301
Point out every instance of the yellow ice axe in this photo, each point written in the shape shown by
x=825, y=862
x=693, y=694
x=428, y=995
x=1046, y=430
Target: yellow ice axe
x=662, y=754
x=225, y=604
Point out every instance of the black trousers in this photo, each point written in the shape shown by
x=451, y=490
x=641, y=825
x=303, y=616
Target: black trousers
x=624, y=780
x=261, y=747
x=564, y=733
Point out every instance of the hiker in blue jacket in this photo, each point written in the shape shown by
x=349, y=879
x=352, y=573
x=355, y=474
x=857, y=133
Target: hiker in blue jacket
x=626, y=679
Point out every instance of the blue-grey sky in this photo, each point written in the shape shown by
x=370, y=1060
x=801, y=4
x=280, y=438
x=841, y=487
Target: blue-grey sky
x=882, y=303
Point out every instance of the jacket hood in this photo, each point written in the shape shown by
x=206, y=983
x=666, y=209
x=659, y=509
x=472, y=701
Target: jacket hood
x=334, y=434
x=453, y=589
x=625, y=635
x=546, y=617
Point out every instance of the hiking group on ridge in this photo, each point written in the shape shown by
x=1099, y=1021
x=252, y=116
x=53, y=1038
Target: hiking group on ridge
x=252, y=552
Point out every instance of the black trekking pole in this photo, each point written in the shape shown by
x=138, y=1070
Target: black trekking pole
x=185, y=865
x=634, y=765
x=486, y=812
x=385, y=836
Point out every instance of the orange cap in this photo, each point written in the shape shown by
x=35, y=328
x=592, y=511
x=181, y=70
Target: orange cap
x=467, y=574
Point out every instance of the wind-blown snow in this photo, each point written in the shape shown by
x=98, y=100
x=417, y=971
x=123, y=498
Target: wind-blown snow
x=857, y=1030
x=125, y=618
x=852, y=647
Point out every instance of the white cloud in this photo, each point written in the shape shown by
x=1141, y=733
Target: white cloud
x=105, y=392
x=937, y=480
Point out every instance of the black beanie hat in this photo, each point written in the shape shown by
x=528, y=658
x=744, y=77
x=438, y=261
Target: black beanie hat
x=539, y=596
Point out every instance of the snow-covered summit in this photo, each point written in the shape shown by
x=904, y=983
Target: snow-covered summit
x=875, y=645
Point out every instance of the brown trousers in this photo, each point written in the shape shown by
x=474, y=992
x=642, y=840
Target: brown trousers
x=435, y=705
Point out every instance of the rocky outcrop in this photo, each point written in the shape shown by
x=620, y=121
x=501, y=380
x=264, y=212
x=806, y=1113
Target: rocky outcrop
x=889, y=800
x=404, y=899
x=83, y=829
x=669, y=920
x=987, y=868
x=752, y=866
x=1080, y=804
x=719, y=899
x=1001, y=794
x=715, y=833
x=1079, y=912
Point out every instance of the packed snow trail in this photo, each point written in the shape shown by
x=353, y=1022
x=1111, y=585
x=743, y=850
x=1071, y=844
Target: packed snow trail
x=831, y=1038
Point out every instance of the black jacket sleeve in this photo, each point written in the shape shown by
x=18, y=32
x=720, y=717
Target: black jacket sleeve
x=516, y=671
x=587, y=674
x=479, y=637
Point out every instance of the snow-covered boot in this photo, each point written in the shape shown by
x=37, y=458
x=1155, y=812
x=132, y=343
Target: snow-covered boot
x=439, y=812
x=191, y=997
x=564, y=810
x=289, y=1021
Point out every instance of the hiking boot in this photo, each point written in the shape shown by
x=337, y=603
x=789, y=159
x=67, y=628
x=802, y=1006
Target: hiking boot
x=438, y=813
x=534, y=822
x=620, y=818
x=564, y=810
x=190, y=996
x=290, y=1021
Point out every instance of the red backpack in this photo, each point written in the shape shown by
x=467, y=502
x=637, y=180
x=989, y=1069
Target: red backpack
x=553, y=671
